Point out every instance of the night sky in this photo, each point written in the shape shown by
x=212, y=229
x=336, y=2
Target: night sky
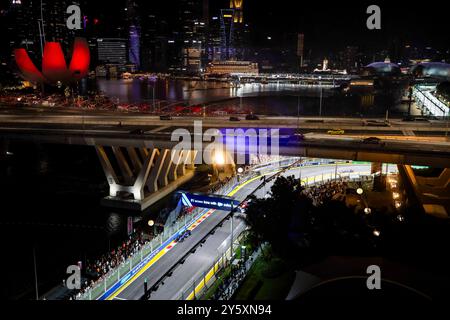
x=330, y=24
x=327, y=25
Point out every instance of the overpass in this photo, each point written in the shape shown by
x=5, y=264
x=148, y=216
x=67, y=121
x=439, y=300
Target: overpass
x=402, y=143
x=136, y=155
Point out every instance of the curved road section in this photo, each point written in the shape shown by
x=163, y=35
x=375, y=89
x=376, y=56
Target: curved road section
x=194, y=265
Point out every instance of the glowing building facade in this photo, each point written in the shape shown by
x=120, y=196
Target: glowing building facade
x=54, y=66
x=237, y=6
x=227, y=34
x=134, y=47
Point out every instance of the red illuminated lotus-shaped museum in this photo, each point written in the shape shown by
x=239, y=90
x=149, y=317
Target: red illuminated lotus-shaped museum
x=54, y=67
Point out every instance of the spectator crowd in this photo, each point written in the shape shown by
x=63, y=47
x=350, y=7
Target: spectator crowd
x=98, y=270
x=320, y=194
x=220, y=184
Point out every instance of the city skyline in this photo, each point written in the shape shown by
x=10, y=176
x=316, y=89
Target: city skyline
x=268, y=30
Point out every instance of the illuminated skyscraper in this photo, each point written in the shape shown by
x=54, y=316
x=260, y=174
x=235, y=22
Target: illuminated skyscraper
x=300, y=48
x=134, y=48
x=227, y=34
x=193, y=16
x=134, y=34
x=239, y=32
x=237, y=6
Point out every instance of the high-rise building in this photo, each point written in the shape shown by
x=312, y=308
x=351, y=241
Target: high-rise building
x=134, y=51
x=240, y=30
x=300, y=48
x=227, y=34
x=112, y=50
x=214, y=45
x=349, y=59
x=154, y=42
x=20, y=30
x=192, y=37
x=134, y=34
x=238, y=7
x=53, y=22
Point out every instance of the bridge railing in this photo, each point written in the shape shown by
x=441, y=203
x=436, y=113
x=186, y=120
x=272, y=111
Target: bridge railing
x=204, y=278
x=117, y=276
x=431, y=103
x=139, y=258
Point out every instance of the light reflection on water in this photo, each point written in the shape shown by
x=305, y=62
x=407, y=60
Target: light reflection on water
x=194, y=92
x=264, y=99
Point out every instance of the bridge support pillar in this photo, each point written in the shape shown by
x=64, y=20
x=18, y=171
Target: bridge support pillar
x=163, y=178
x=142, y=178
x=154, y=176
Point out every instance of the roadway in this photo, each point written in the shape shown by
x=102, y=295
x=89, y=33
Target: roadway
x=76, y=119
x=404, y=142
x=427, y=149
x=204, y=256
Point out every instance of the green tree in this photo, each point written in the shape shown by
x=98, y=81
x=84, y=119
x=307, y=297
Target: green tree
x=298, y=231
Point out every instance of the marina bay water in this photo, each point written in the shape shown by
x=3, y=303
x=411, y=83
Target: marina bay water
x=282, y=99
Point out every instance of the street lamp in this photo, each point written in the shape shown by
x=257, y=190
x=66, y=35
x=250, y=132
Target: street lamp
x=243, y=248
x=219, y=158
x=240, y=170
x=359, y=191
x=145, y=286
x=321, y=93
x=367, y=210
x=151, y=223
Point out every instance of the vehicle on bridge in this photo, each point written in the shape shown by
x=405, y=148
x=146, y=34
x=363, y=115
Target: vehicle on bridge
x=165, y=117
x=251, y=116
x=373, y=140
x=296, y=138
x=412, y=118
x=336, y=131
x=376, y=123
x=234, y=119
x=137, y=131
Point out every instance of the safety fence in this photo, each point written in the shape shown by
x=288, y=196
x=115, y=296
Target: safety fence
x=115, y=278
x=430, y=103
x=206, y=277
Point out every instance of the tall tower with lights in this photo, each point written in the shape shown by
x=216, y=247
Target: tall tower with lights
x=237, y=6
x=227, y=34
x=239, y=30
x=134, y=34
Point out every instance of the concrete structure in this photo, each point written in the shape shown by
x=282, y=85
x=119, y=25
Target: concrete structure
x=112, y=50
x=432, y=193
x=434, y=151
x=139, y=177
